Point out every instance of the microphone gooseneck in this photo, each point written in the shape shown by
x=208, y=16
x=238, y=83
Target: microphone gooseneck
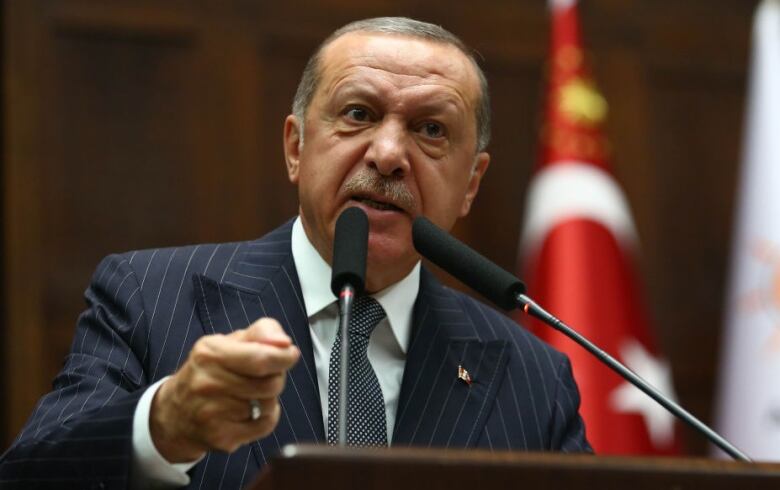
x=350, y=248
x=507, y=291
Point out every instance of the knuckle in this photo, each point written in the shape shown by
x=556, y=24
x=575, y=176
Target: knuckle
x=263, y=362
x=204, y=416
x=258, y=360
x=257, y=328
x=267, y=323
x=204, y=385
x=266, y=328
x=274, y=385
x=275, y=412
x=202, y=352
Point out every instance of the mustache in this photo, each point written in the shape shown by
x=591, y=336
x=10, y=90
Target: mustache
x=392, y=189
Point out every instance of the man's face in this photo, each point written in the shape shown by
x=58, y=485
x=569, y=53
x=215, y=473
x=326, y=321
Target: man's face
x=391, y=129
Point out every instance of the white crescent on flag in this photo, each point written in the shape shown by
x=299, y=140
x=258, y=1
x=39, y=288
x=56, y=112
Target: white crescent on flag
x=575, y=190
x=561, y=4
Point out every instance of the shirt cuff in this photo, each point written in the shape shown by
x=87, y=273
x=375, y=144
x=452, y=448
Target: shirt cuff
x=150, y=468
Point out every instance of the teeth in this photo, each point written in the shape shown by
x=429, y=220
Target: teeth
x=378, y=205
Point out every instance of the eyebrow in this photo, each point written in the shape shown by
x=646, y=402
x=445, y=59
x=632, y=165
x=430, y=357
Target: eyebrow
x=436, y=103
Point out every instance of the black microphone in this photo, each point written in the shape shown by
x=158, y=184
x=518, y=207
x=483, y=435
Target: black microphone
x=350, y=247
x=504, y=289
x=453, y=256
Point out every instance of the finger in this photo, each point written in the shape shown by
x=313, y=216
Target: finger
x=247, y=358
x=267, y=409
x=238, y=410
x=267, y=387
x=255, y=429
x=228, y=435
x=218, y=381
x=211, y=414
x=214, y=412
x=265, y=330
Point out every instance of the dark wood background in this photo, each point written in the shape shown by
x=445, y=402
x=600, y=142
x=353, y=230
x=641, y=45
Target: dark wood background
x=139, y=123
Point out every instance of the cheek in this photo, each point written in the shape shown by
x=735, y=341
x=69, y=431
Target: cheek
x=441, y=191
x=321, y=178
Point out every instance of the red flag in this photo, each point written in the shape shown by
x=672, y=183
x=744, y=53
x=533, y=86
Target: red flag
x=577, y=252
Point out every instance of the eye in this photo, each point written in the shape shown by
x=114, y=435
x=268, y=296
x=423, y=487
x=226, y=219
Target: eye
x=357, y=114
x=432, y=130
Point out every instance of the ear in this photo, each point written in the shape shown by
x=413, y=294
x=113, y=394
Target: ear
x=292, y=147
x=481, y=162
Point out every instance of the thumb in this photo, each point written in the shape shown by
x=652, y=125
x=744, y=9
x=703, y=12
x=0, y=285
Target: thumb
x=265, y=331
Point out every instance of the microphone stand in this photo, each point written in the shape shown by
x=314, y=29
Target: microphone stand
x=350, y=249
x=346, y=300
x=530, y=307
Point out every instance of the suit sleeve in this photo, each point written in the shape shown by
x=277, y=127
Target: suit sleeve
x=80, y=434
x=567, y=427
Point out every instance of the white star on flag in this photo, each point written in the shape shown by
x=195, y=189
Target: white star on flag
x=628, y=398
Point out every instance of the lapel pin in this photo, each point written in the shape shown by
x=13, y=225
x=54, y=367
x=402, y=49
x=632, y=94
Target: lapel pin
x=464, y=375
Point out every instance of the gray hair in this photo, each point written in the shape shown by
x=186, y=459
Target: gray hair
x=405, y=27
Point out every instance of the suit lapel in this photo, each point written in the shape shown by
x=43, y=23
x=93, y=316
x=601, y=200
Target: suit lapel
x=262, y=282
x=436, y=407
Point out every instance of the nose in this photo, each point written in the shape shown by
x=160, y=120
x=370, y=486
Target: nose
x=387, y=152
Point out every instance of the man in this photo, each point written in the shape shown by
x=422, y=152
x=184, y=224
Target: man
x=166, y=383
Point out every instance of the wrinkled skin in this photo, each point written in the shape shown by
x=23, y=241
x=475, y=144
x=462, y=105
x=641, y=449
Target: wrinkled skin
x=399, y=107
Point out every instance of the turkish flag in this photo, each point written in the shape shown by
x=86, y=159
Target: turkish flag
x=577, y=254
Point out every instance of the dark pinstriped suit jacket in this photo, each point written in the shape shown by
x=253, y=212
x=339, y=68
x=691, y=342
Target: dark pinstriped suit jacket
x=147, y=308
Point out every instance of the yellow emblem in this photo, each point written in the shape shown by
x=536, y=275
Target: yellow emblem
x=581, y=103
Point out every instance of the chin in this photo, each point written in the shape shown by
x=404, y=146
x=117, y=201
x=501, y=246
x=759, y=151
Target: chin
x=388, y=250
x=389, y=264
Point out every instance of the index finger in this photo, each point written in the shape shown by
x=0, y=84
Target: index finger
x=249, y=358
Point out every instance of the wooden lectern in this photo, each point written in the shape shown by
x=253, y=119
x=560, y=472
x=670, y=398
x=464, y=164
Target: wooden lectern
x=326, y=468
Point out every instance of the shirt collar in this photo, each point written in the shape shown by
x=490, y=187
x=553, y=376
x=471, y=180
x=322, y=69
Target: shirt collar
x=314, y=276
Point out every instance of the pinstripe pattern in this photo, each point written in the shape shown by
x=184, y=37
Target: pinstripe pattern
x=146, y=309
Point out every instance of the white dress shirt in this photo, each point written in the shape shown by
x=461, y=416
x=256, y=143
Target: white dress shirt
x=389, y=340
x=386, y=353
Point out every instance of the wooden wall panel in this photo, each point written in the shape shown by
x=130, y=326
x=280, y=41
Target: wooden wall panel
x=119, y=132
x=696, y=203
x=22, y=316
x=138, y=123
x=3, y=294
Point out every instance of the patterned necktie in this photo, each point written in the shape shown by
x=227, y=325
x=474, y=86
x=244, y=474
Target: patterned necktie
x=366, y=424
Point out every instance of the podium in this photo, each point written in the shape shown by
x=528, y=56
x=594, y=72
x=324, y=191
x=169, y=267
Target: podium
x=325, y=468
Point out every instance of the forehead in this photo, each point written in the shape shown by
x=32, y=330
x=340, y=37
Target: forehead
x=409, y=60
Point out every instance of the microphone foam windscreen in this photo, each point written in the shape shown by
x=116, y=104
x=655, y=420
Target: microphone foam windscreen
x=455, y=257
x=350, y=246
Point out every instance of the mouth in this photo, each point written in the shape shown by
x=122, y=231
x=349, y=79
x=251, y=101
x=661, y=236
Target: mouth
x=375, y=204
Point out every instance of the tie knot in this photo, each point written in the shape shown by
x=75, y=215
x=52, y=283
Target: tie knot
x=366, y=314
